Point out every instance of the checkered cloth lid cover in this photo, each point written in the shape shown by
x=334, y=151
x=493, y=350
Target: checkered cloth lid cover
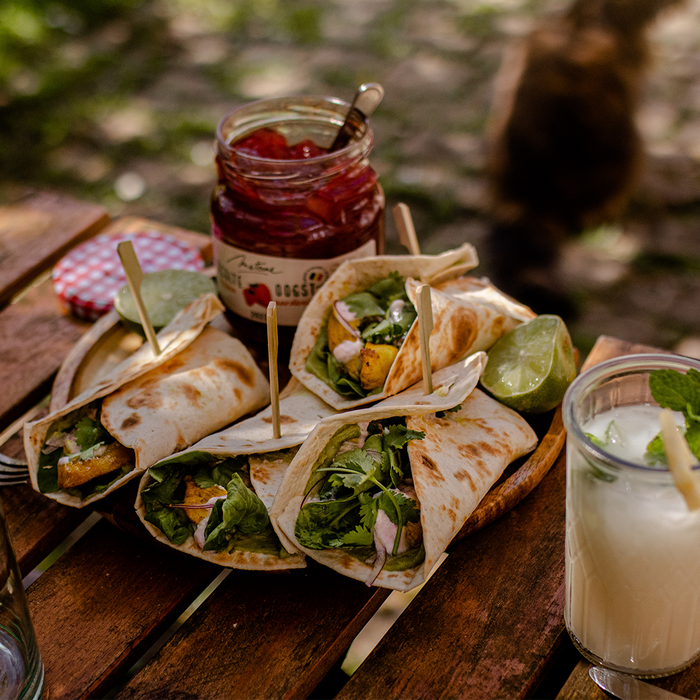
x=87, y=279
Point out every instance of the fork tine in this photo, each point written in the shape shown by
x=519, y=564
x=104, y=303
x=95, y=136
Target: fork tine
x=6, y=461
x=12, y=470
x=15, y=482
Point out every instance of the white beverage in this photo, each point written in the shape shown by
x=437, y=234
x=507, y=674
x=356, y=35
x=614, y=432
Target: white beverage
x=632, y=553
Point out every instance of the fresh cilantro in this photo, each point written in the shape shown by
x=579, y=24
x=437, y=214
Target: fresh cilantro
x=360, y=536
x=359, y=483
x=89, y=432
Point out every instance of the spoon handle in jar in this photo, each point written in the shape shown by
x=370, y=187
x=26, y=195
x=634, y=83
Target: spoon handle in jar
x=366, y=100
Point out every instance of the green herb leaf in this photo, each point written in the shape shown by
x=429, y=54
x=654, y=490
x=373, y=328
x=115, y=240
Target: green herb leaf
x=360, y=536
x=241, y=510
x=674, y=390
x=89, y=432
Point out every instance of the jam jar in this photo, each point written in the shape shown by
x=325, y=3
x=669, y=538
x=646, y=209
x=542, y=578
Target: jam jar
x=285, y=216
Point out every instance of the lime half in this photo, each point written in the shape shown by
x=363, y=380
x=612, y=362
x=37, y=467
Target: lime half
x=164, y=294
x=531, y=366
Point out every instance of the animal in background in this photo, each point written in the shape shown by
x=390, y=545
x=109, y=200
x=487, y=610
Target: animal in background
x=564, y=151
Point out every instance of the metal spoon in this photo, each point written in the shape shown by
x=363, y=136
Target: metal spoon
x=366, y=99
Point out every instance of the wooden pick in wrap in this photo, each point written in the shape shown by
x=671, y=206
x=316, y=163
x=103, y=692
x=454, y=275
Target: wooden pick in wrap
x=404, y=225
x=134, y=277
x=425, y=327
x=272, y=348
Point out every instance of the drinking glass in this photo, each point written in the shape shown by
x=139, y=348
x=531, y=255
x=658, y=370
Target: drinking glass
x=632, y=545
x=21, y=669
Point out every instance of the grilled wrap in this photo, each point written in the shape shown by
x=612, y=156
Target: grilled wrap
x=452, y=458
x=249, y=450
x=150, y=406
x=469, y=315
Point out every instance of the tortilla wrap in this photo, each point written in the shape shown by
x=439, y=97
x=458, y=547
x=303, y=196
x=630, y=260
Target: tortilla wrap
x=461, y=457
x=469, y=320
x=202, y=380
x=300, y=411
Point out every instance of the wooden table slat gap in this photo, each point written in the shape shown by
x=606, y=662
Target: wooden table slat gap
x=107, y=600
x=278, y=636
x=167, y=635
x=50, y=559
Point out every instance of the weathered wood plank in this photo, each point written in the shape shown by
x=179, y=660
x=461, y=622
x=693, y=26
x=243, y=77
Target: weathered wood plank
x=37, y=524
x=36, y=335
x=260, y=636
x=487, y=623
x=36, y=232
x=102, y=605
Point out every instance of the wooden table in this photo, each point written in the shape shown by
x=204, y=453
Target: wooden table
x=488, y=624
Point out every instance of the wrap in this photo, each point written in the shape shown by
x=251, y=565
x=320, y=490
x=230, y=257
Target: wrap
x=146, y=408
x=461, y=455
x=300, y=411
x=468, y=316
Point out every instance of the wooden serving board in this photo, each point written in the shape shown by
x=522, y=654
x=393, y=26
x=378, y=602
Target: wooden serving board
x=108, y=342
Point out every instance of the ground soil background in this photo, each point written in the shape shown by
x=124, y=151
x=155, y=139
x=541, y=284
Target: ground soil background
x=116, y=101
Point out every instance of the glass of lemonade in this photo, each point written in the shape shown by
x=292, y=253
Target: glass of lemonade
x=632, y=545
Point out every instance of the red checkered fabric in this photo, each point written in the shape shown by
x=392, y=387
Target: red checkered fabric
x=87, y=279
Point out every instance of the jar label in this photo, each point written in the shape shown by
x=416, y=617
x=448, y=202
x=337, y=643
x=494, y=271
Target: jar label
x=248, y=282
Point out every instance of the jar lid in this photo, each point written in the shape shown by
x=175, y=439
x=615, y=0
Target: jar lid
x=87, y=279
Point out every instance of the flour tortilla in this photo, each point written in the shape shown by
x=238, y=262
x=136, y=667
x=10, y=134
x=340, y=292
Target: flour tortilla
x=202, y=380
x=461, y=457
x=300, y=412
x=469, y=320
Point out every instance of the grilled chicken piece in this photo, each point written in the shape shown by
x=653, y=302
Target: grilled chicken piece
x=115, y=456
x=194, y=495
x=376, y=363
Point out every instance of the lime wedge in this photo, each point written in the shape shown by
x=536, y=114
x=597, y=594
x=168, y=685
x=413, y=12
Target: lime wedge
x=530, y=368
x=164, y=294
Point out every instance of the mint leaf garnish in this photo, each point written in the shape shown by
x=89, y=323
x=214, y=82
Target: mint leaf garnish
x=679, y=392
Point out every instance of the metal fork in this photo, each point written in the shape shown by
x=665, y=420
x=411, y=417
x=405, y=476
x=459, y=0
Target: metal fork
x=13, y=471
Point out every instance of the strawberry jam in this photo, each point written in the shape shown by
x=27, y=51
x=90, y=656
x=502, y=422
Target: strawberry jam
x=285, y=212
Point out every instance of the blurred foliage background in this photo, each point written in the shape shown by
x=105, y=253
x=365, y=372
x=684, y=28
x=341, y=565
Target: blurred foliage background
x=117, y=102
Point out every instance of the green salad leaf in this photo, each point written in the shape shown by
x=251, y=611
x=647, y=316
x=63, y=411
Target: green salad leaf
x=379, y=324
x=350, y=487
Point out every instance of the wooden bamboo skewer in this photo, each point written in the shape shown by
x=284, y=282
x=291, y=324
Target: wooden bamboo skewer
x=680, y=460
x=134, y=277
x=425, y=327
x=404, y=225
x=272, y=348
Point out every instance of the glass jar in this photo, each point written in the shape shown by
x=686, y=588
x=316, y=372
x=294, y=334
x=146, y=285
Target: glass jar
x=632, y=545
x=281, y=227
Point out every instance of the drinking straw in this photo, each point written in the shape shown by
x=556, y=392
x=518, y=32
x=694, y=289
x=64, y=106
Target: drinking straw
x=680, y=460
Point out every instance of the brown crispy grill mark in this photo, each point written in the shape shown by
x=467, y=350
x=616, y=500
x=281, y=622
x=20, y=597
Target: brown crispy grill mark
x=192, y=394
x=432, y=467
x=130, y=421
x=463, y=475
x=145, y=399
x=464, y=332
x=237, y=393
x=171, y=365
x=284, y=420
x=243, y=373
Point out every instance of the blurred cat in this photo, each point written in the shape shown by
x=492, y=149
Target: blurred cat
x=564, y=148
